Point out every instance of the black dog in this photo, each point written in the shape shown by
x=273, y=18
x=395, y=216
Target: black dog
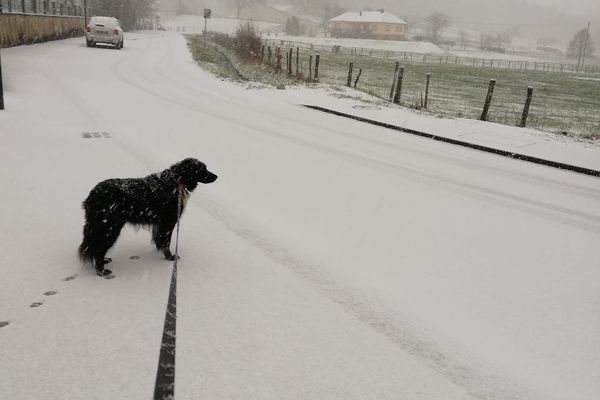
x=151, y=201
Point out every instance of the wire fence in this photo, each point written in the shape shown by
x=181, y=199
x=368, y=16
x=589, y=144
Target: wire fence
x=563, y=102
x=420, y=58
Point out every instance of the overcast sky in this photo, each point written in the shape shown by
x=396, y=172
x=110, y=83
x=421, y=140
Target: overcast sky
x=570, y=6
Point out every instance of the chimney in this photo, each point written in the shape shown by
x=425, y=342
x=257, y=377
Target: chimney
x=381, y=10
x=360, y=13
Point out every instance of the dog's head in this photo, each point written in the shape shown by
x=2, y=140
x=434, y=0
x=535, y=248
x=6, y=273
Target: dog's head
x=191, y=171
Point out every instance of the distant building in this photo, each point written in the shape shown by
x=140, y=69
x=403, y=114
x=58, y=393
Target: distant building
x=378, y=24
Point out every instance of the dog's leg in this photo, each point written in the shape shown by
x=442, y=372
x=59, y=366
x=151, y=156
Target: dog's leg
x=109, y=234
x=161, y=235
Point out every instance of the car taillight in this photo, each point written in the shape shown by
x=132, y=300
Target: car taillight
x=116, y=32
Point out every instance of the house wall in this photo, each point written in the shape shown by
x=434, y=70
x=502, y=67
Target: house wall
x=368, y=30
x=18, y=29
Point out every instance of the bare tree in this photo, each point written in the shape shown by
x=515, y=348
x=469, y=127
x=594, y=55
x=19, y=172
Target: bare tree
x=435, y=24
x=494, y=42
x=580, y=41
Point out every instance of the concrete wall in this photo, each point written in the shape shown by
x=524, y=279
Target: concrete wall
x=18, y=29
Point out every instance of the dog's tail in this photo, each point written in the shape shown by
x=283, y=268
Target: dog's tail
x=85, y=254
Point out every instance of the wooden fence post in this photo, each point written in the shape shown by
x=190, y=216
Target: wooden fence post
x=357, y=77
x=269, y=56
x=297, y=61
x=394, y=80
x=278, y=57
x=262, y=54
x=350, y=67
x=526, y=107
x=427, y=91
x=309, y=77
x=399, y=85
x=488, y=100
x=287, y=62
x=317, y=61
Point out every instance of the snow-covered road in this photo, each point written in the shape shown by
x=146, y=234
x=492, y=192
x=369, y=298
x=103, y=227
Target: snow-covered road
x=331, y=260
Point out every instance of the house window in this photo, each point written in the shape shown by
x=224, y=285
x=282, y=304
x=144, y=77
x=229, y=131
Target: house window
x=387, y=28
x=399, y=28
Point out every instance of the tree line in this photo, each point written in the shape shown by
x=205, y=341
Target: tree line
x=132, y=13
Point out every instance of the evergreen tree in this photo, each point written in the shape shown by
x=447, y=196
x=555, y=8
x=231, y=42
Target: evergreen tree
x=293, y=27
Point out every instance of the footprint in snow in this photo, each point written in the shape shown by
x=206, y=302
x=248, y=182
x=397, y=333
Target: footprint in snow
x=36, y=304
x=4, y=323
x=50, y=293
x=70, y=278
x=134, y=257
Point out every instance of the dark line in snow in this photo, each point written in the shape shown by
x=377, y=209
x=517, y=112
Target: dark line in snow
x=164, y=388
x=522, y=157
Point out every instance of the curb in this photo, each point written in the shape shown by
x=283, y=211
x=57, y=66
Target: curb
x=517, y=156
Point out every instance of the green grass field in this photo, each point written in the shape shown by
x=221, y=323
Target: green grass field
x=562, y=102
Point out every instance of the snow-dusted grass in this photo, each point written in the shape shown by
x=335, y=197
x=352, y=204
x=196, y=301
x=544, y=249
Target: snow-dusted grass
x=561, y=102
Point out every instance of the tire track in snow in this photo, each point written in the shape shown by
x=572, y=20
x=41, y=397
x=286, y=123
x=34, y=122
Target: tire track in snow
x=479, y=380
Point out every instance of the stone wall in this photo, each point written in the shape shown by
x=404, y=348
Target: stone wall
x=18, y=29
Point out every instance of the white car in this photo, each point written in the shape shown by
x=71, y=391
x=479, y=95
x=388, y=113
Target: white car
x=104, y=30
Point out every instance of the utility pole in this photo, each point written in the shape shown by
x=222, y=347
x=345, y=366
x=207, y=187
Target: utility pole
x=84, y=14
x=587, y=35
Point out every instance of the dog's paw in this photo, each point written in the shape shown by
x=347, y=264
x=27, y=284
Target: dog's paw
x=169, y=256
x=105, y=273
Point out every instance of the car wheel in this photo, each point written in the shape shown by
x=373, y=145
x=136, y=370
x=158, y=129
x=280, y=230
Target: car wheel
x=89, y=43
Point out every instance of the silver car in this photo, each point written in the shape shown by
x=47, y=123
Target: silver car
x=104, y=30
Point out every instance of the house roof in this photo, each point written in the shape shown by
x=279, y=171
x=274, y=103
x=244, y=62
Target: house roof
x=369, y=16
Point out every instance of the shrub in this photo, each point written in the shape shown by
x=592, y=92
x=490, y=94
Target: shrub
x=293, y=27
x=247, y=42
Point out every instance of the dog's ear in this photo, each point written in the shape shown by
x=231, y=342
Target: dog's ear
x=189, y=172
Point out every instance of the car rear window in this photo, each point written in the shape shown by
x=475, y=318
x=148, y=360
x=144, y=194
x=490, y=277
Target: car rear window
x=104, y=21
